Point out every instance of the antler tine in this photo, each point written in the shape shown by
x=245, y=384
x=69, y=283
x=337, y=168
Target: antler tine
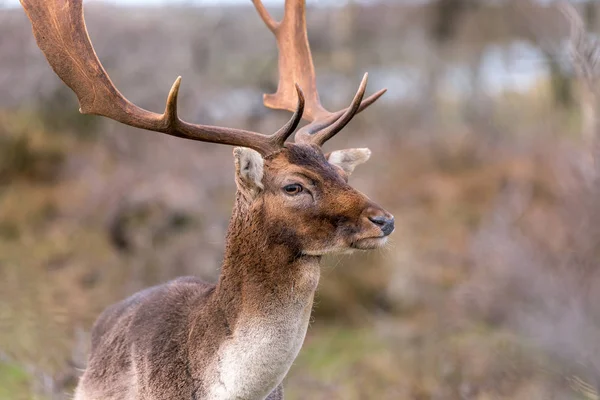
x=61, y=34
x=296, y=65
x=316, y=126
x=282, y=134
x=266, y=17
x=309, y=135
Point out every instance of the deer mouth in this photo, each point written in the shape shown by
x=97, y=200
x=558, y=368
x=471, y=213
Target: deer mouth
x=370, y=243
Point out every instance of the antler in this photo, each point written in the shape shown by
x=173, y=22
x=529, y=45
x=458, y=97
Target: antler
x=296, y=66
x=61, y=34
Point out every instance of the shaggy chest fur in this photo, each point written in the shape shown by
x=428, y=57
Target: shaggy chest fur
x=259, y=354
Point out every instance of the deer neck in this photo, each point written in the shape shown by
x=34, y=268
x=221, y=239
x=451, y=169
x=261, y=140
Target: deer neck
x=263, y=272
x=264, y=298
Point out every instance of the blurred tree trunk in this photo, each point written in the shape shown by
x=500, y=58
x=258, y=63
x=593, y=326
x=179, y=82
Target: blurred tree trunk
x=589, y=114
x=444, y=23
x=428, y=102
x=343, y=56
x=590, y=14
x=479, y=107
x=446, y=18
x=539, y=34
x=585, y=55
x=589, y=92
x=560, y=80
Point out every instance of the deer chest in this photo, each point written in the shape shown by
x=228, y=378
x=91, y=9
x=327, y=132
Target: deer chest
x=259, y=354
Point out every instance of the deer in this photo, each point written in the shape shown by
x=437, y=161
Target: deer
x=236, y=338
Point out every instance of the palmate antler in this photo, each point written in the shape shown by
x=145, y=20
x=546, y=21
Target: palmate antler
x=61, y=34
x=296, y=67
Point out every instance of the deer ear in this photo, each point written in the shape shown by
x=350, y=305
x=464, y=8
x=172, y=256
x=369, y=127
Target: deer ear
x=249, y=168
x=348, y=159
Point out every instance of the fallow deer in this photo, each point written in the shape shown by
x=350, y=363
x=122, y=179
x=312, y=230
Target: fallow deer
x=235, y=339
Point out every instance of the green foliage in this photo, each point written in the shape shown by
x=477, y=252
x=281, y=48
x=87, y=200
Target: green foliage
x=14, y=382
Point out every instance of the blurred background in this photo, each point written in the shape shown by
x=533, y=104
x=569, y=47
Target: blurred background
x=483, y=149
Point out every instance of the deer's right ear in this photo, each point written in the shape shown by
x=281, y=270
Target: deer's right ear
x=348, y=159
x=249, y=170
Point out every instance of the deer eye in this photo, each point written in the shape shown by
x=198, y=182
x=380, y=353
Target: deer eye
x=293, y=189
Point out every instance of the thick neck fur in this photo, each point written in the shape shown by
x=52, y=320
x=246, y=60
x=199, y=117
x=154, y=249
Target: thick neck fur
x=263, y=270
x=263, y=302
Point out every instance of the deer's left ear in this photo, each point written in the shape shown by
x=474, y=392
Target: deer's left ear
x=249, y=171
x=348, y=159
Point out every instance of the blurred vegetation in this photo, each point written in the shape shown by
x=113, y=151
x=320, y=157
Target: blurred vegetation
x=489, y=289
x=26, y=153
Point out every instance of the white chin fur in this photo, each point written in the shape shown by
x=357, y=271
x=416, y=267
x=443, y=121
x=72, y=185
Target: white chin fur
x=345, y=250
x=363, y=244
x=370, y=243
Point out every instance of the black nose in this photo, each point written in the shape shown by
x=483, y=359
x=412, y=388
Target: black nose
x=385, y=223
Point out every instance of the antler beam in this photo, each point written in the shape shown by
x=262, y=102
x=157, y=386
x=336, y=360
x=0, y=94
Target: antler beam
x=60, y=31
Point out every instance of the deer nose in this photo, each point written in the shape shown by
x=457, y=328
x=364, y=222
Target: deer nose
x=384, y=222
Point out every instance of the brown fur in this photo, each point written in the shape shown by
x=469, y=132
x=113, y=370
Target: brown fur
x=166, y=342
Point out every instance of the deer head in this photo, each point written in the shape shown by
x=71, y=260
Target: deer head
x=305, y=199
